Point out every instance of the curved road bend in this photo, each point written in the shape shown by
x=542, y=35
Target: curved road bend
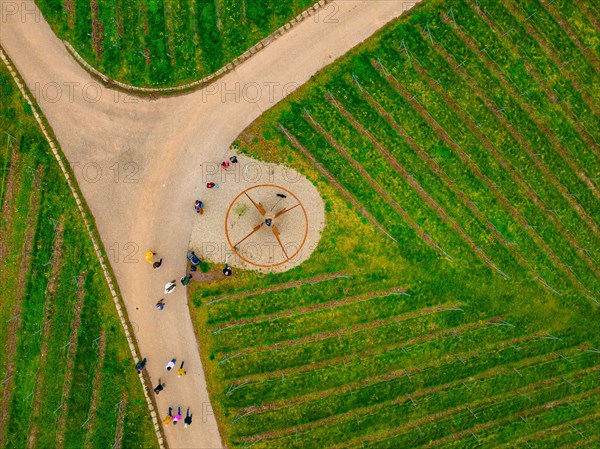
x=137, y=164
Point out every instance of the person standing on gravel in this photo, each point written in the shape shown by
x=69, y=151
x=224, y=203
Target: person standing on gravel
x=170, y=286
x=181, y=371
x=171, y=364
x=149, y=256
x=177, y=417
x=186, y=279
x=140, y=365
x=156, y=265
x=188, y=418
x=160, y=387
x=169, y=418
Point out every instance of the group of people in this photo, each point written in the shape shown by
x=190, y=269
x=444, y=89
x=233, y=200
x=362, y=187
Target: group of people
x=185, y=280
x=149, y=258
x=224, y=166
x=169, y=288
x=174, y=419
x=170, y=418
x=226, y=163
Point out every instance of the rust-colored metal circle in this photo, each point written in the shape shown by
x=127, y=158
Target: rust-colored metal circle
x=238, y=253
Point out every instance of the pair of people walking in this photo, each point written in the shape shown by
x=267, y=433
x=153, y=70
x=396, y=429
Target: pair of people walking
x=170, y=365
x=170, y=286
x=150, y=259
x=225, y=164
x=180, y=372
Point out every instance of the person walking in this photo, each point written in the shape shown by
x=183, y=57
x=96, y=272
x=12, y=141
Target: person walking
x=171, y=364
x=233, y=159
x=186, y=279
x=170, y=286
x=188, y=418
x=211, y=185
x=139, y=366
x=160, y=387
x=177, y=417
x=181, y=371
x=156, y=265
x=169, y=418
x=199, y=206
x=160, y=304
x=225, y=165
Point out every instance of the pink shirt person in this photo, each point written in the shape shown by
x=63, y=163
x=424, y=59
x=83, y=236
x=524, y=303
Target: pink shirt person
x=177, y=417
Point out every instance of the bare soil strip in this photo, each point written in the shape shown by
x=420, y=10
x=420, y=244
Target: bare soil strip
x=495, y=109
x=5, y=231
x=47, y=328
x=347, y=195
x=351, y=414
x=344, y=331
x=589, y=14
x=505, y=202
x=536, y=436
x=570, y=76
x=344, y=359
x=97, y=31
x=499, y=74
x=416, y=186
x=409, y=372
x=6, y=213
x=28, y=241
x=431, y=419
x=120, y=421
x=532, y=411
x=436, y=169
x=505, y=163
x=590, y=56
x=70, y=362
x=70, y=8
x=377, y=187
x=306, y=310
x=89, y=424
x=588, y=138
x=279, y=287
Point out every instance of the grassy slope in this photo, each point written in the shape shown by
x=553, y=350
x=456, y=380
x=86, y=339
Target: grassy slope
x=69, y=359
x=460, y=147
x=159, y=43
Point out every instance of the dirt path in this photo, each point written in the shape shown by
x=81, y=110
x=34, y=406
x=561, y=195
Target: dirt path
x=137, y=162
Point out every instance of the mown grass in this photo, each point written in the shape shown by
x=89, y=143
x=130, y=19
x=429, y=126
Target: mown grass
x=162, y=43
x=469, y=136
x=56, y=310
